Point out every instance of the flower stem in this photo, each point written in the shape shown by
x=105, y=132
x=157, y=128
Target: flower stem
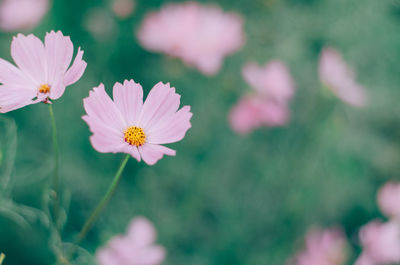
x=111, y=190
x=2, y=257
x=56, y=179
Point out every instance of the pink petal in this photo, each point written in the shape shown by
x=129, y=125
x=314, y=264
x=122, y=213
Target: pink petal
x=208, y=65
x=136, y=248
x=9, y=74
x=29, y=54
x=121, y=245
x=98, y=126
x=251, y=74
x=161, y=102
x=272, y=80
x=141, y=232
x=364, y=260
x=105, y=139
x=171, y=129
x=355, y=94
x=153, y=255
x=254, y=111
x=245, y=115
x=14, y=97
x=340, y=79
x=324, y=247
x=151, y=153
x=274, y=113
x=57, y=89
x=389, y=199
x=105, y=143
x=100, y=107
x=132, y=150
x=129, y=100
x=107, y=257
x=381, y=241
x=77, y=69
x=59, y=50
x=18, y=15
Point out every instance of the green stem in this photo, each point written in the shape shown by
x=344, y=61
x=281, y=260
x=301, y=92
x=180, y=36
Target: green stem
x=56, y=179
x=111, y=190
x=2, y=257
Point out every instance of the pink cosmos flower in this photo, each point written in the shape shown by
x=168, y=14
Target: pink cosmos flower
x=324, y=247
x=136, y=248
x=340, y=79
x=21, y=14
x=272, y=80
x=199, y=35
x=252, y=112
x=389, y=199
x=42, y=71
x=381, y=243
x=130, y=126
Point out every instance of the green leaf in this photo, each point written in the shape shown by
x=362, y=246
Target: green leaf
x=21, y=214
x=8, y=149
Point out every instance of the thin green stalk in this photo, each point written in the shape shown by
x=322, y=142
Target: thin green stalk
x=56, y=178
x=111, y=190
x=2, y=257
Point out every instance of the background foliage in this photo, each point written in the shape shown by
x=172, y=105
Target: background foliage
x=225, y=198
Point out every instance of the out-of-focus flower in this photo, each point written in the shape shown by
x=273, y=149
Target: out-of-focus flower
x=199, y=35
x=324, y=247
x=340, y=79
x=100, y=24
x=252, y=112
x=135, y=248
x=389, y=199
x=272, y=80
x=130, y=126
x=123, y=8
x=21, y=14
x=42, y=72
x=268, y=105
x=381, y=243
x=364, y=260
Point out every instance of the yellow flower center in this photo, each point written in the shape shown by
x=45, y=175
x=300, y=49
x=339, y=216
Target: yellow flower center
x=135, y=136
x=44, y=89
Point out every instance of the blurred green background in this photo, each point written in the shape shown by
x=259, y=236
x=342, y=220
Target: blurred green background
x=224, y=199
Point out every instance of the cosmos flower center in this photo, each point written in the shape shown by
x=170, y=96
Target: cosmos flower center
x=44, y=89
x=135, y=136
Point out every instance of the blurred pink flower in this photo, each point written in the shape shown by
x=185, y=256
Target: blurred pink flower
x=135, y=248
x=272, y=80
x=364, y=260
x=381, y=243
x=340, y=79
x=123, y=8
x=100, y=23
x=130, y=126
x=268, y=105
x=42, y=71
x=324, y=247
x=21, y=14
x=252, y=112
x=199, y=35
x=389, y=199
